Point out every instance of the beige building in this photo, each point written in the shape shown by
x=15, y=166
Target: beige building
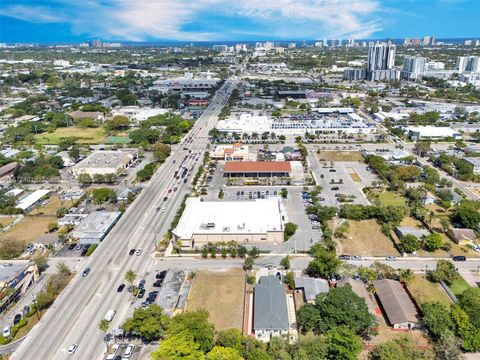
x=235, y=152
x=106, y=162
x=254, y=222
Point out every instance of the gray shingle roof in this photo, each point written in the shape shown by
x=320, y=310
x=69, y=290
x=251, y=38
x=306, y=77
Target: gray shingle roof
x=311, y=287
x=270, y=305
x=395, y=301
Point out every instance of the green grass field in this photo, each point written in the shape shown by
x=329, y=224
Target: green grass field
x=84, y=135
x=388, y=198
x=459, y=285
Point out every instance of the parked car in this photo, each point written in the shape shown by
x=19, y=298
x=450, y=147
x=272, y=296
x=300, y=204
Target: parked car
x=17, y=319
x=129, y=351
x=141, y=284
x=141, y=293
x=335, y=188
x=157, y=283
x=356, y=257
x=161, y=274
x=26, y=310
x=6, y=331
x=344, y=257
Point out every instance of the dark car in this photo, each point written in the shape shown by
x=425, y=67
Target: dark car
x=157, y=283
x=185, y=181
x=71, y=246
x=17, y=319
x=165, y=198
x=86, y=272
x=131, y=252
x=335, y=188
x=333, y=170
x=153, y=293
x=26, y=310
x=157, y=209
x=141, y=293
x=344, y=257
x=161, y=274
x=459, y=258
x=141, y=284
x=121, y=287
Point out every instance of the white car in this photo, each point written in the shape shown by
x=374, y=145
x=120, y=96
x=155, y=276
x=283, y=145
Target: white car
x=138, y=252
x=128, y=351
x=6, y=331
x=72, y=348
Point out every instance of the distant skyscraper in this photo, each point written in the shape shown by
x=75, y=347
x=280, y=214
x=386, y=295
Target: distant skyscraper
x=381, y=57
x=96, y=43
x=325, y=42
x=426, y=40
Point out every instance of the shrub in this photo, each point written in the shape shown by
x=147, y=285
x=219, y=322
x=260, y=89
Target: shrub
x=91, y=249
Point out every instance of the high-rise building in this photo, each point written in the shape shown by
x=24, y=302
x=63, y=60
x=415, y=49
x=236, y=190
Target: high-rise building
x=381, y=57
x=96, y=43
x=325, y=42
x=426, y=40
x=468, y=64
x=413, y=67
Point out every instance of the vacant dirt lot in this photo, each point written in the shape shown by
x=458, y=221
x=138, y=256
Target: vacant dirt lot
x=340, y=156
x=34, y=224
x=221, y=293
x=365, y=238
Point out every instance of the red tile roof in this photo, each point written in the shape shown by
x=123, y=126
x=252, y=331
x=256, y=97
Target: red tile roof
x=257, y=166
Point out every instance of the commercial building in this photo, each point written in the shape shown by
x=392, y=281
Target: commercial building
x=397, y=305
x=139, y=114
x=431, y=133
x=331, y=123
x=94, y=228
x=475, y=162
x=270, y=314
x=257, y=169
x=15, y=278
x=235, y=152
x=30, y=200
x=106, y=162
x=254, y=222
x=413, y=67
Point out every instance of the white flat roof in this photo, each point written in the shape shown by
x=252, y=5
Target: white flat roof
x=234, y=217
x=432, y=130
x=31, y=199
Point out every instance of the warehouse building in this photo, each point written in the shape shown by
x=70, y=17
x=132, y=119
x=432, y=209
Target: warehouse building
x=106, y=162
x=253, y=222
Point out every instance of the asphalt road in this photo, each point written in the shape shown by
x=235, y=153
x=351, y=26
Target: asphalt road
x=75, y=315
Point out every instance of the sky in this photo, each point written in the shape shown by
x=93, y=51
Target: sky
x=234, y=20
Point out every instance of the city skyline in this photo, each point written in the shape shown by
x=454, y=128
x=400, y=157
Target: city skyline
x=223, y=20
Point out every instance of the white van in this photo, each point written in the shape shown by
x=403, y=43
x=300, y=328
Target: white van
x=110, y=314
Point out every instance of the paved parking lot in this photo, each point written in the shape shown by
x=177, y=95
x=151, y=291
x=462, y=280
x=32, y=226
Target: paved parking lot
x=72, y=250
x=325, y=174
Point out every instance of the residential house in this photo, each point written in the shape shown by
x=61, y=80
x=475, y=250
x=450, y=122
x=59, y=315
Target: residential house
x=270, y=314
x=396, y=304
x=461, y=236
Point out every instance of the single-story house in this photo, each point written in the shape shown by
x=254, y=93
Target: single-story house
x=270, y=314
x=401, y=231
x=9, y=169
x=359, y=288
x=461, y=236
x=396, y=304
x=310, y=287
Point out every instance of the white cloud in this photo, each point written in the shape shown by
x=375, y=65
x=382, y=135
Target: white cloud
x=35, y=14
x=138, y=20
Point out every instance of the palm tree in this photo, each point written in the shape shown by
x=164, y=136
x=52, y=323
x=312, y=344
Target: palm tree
x=130, y=277
x=103, y=327
x=406, y=275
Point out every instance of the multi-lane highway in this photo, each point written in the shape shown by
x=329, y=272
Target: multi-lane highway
x=75, y=315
